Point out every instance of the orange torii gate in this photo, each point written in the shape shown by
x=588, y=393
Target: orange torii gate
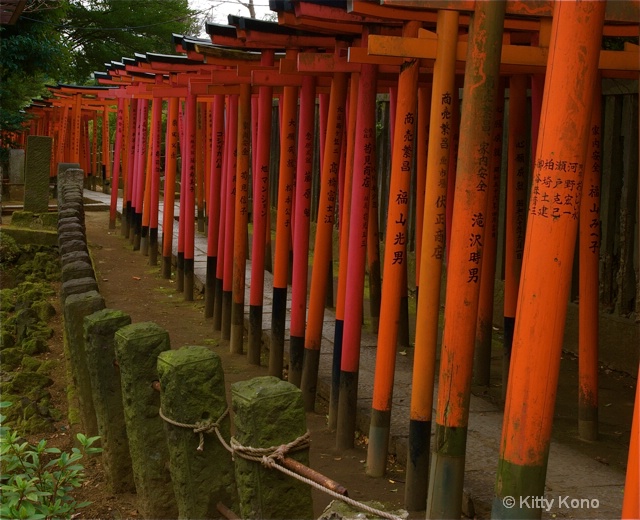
x=520, y=37
x=444, y=503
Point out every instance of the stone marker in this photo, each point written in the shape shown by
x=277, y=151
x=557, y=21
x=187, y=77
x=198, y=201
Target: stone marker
x=269, y=412
x=192, y=391
x=99, y=337
x=16, y=166
x=36, y=173
x=76, y=307
x=137, y=350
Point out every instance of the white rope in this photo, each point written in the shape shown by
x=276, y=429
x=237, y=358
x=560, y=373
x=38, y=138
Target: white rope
x=268, y=456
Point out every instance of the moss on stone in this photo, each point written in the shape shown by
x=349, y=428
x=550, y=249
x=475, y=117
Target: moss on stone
x=12, y=358
x=30, y=364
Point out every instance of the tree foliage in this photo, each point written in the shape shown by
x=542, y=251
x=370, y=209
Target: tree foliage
x=64, y=41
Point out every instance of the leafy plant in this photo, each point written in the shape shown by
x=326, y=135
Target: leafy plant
x=36, y=481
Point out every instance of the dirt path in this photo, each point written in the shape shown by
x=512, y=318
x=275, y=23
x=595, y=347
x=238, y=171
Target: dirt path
x=129, y=284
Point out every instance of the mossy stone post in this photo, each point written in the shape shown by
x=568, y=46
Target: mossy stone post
x=137, y=349
x=36, y=173
x=192, y=391
x=269, y=412
x=76, y=308
x=99, y=338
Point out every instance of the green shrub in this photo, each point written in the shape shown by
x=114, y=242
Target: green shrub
x=36, y=481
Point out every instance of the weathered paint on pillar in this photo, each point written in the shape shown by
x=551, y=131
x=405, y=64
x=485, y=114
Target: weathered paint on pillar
x=171, y=157
x=515, y=212
x=422, y=145
x=288, y=130
x=484, y=328
x=433, y=248
x=260, y=215
x=214, y=202
x=344, y=207
x=155, y=180
x=117, y=151
x=364, y=164
x=232, y=159
x=137, y=349
x=269, y=412
x=192, y=391
x=589, y=256
x=299, y=277
x=99, y=338
x=395, y=263
x=188, y=184
x=241, y=218
x=324, y=234
x=548, y=254
x=464, y=261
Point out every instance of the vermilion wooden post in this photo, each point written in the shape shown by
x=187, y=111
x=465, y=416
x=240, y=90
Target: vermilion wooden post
x=373, y=254
x=200, y=116
x=299, y=277
x=324, y=232
x=76, y=117
x=394, y=270
x=515, y=217
x=259, y=214
x=344, y=208
x=155, y=180
x=364, y=162
x=189, y=184
x=146, y=203
x=129, y=139
x=484, y=328
x=631, y=499
x=94, y=145
x=464, y=260
x=184, y=153
x=288, y=129
x=548, y=254
x=214, y=202
x=141, y=168
x=453, y=164
x=117, y=150
x=241, y=218
x=106, y=159
x=171, y=157
x=133, y=169
x=220, y=264
x=231, y=135
x=589, y=256
x=422, y=145
x=433, y=244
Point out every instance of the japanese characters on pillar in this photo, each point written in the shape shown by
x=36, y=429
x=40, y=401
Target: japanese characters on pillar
x=557, y=185
x=439, y=223
x=242, y=185
x=476, y=237
x=290, y=140
x=591, y=191
x=327, y=213
x=401, y=198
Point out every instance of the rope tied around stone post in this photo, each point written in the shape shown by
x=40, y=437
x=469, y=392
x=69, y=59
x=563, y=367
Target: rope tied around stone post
x=268, y=457
x=200, y=427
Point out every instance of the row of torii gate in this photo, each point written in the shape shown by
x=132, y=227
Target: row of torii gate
x=217, y=98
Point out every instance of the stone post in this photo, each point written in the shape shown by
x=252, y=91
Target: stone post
x=36, y=173
x=192, y=390
x=137, y=350
x=16, y=166
x=99, y=337
x=76, y=307
x=269, y=412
